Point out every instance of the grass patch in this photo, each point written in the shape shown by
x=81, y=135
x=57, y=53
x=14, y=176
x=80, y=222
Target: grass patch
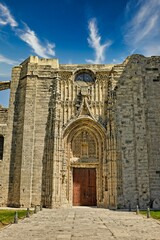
x=154, y=213
x=7, y=215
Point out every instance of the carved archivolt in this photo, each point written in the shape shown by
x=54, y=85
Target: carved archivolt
x=86, y=139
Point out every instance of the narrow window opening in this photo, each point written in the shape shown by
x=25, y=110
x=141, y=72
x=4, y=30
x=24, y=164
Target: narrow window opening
x=1, y=146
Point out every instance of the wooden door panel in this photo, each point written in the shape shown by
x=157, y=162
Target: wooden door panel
x=76, y=188
x=84, y=187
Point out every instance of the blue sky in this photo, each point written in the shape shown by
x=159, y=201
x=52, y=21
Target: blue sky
x=76, y=31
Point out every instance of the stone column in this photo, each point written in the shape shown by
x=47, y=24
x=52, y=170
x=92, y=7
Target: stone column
x=57, y=164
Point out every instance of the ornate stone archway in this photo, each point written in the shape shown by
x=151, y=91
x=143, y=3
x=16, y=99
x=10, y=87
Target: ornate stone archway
x=85, y=147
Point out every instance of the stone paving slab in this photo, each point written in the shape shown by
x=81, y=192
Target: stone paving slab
x=83, y=223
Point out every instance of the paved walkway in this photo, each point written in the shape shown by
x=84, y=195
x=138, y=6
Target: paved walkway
x=83, y=223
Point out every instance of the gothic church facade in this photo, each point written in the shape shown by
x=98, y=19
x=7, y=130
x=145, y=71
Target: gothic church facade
x=81, y=135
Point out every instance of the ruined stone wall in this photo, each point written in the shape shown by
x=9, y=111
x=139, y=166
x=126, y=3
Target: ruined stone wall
x=132, y=139
x=137, y=111
x=151, y=91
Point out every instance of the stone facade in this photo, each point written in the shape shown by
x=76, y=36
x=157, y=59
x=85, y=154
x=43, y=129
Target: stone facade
x=63, y=117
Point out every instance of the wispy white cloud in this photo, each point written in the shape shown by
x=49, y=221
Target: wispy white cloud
x=6, y=60
x=152, y=50
x=29, y=37
x=94, y=41
x=6, y=18
x=143, y=29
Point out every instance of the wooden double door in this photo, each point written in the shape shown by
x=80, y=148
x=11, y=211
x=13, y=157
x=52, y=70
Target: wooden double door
x=84, y=187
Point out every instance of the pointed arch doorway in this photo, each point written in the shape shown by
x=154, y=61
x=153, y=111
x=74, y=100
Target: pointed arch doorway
x=85, y=151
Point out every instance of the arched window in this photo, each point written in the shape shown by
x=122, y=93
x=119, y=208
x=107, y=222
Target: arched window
x=1, y=146
x=84, y=77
